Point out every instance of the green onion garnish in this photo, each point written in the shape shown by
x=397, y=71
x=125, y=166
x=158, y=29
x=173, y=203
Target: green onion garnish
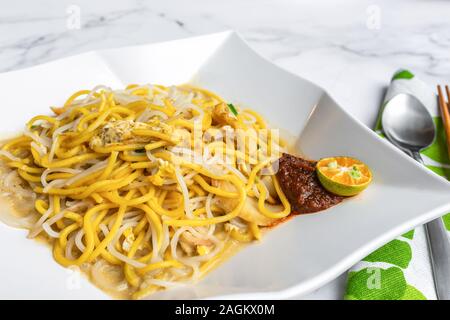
x=232, y=109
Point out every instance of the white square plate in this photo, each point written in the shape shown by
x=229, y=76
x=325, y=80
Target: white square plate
x=294, y=258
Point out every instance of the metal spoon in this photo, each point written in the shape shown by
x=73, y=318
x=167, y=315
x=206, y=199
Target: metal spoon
x=408, y=125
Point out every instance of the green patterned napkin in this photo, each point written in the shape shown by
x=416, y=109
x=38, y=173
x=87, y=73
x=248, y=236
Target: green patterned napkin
x=401, y=269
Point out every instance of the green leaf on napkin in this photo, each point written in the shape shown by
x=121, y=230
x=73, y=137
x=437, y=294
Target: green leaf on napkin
x=445, y=172
x=412, y=293
x=381, y=284
x=438, y=150
x=446, y=219
x=376, y=284
x=404, y=74
x=395, y=252
x=409, y=235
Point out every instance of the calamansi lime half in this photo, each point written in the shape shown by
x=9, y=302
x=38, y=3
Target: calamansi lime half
x=343, y=176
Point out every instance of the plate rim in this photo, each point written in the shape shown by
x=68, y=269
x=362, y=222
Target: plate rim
x=345, y=263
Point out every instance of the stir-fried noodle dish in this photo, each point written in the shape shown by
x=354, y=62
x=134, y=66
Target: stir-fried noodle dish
x=144, y=188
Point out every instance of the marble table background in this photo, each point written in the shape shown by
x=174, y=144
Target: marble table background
x=350, y=47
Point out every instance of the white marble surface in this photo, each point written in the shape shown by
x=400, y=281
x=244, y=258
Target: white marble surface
x=349, y=47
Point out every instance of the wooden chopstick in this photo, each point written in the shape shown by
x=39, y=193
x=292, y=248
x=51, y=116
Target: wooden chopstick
x=445, y=114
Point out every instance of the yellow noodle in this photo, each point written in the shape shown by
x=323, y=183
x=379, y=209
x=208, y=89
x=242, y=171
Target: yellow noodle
x=132, y=188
